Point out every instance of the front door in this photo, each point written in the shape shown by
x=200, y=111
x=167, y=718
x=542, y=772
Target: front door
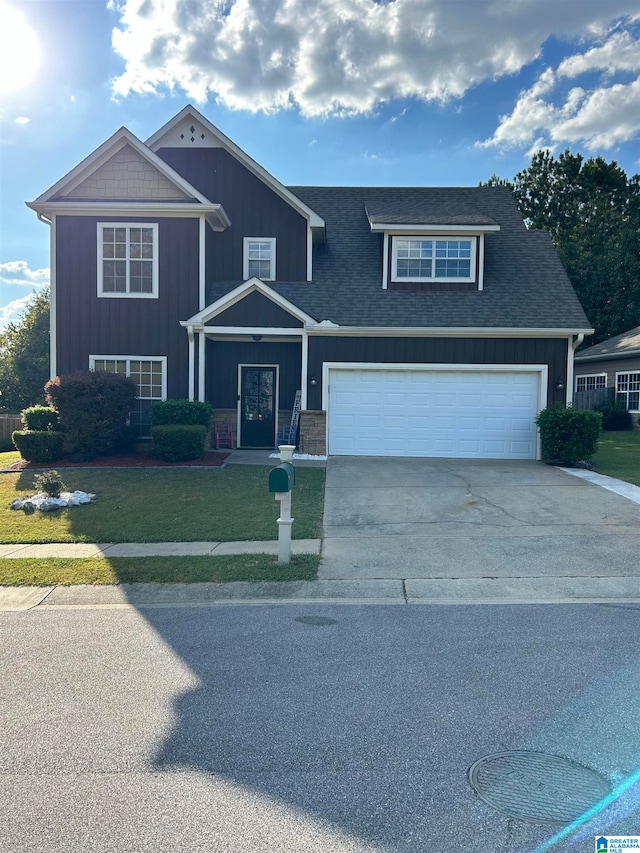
x=257, y=406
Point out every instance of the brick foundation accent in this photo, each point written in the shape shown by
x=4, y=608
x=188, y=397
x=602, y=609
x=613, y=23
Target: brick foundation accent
x=313, y=433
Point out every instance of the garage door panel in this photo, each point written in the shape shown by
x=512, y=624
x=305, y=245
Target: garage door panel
x=476, y=414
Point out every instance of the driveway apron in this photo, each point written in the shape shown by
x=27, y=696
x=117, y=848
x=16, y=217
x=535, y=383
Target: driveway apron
x=455, y=518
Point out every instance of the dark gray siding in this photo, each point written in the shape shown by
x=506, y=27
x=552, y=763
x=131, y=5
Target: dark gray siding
x=256, y=310
x=439, y=351
x=223, y=358
x=254, y=210
x=88, y=325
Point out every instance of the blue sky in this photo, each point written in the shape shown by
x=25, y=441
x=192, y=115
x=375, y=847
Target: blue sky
x=370, y=92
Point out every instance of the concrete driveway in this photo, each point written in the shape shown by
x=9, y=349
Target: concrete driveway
x=453, y=518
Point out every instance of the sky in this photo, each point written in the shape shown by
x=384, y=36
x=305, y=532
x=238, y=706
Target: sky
x=334, y=92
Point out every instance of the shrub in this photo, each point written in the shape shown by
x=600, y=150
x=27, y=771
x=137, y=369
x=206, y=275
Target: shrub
x=568, y=435
x=180, y=412
x=615, y=416
x=125, y=439
x=92, y=406
x=50, y=483
x=40, y=418
x=178, y=442
x=38, y=446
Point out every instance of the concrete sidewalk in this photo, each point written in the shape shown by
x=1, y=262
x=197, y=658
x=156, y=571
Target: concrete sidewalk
x=155, y=549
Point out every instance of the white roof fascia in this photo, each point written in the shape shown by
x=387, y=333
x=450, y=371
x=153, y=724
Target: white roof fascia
x=103, y=153
x=632, y=353
x=432, y=229
x=155, y=142
x=443, y=332
x=237, y=294
x=215, y=214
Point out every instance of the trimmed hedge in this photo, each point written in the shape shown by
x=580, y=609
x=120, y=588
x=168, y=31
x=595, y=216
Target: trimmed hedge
x=40, y=418
x=93, y=407
x=179, y=442
x=38, y=445
x=180, y=412
x=568, y=435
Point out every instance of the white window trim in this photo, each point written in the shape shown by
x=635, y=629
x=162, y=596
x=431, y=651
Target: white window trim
x=155, y=267
x=618, y=393
x=245, y=256
x=129, y=358
x=591, y=376
x=433, y=237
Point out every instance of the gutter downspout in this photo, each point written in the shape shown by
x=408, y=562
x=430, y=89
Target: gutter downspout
x=570, y=366
x=52, y=293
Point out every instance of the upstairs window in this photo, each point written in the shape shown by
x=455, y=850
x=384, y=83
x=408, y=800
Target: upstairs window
x=433, y=259
x=128, y=260
x=259, y=258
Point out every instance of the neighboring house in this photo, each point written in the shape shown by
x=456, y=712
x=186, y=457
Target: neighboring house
x=614, y=363
x=414, y=321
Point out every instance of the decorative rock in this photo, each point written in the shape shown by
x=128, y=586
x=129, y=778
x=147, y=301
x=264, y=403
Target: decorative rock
x=45, y=503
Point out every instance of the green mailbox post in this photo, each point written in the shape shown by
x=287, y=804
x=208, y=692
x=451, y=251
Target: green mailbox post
x=282, y=479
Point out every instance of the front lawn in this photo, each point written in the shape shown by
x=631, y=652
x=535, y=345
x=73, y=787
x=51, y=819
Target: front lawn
x=619, y=455
x=114, y=570
x=164, y=505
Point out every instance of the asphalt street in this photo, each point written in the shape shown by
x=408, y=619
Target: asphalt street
x=306, y=728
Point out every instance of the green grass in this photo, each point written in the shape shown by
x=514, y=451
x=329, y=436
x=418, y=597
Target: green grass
x=619, y=455
x=222, y=569
x=164, y=505
x=9, y=458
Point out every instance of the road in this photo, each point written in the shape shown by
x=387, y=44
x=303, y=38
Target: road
x=305, y=728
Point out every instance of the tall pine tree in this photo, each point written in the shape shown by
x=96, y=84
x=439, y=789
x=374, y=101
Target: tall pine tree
x=592, y=211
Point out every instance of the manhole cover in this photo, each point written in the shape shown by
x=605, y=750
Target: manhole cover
x=537, y=787
x=315, y=620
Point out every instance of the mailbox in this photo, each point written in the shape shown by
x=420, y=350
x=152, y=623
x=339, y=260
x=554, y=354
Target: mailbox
x=282, y=478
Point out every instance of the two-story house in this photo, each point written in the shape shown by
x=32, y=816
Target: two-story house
x=421, y=321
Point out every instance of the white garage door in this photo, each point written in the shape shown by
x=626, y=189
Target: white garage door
x=479, y=414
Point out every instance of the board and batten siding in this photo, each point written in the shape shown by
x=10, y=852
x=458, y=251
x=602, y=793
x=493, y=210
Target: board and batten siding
x=223, y=358
x=379, y=350
x=258, y=311
x=254, y=209
x=110, y=326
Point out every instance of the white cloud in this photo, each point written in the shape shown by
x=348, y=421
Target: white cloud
x=333, y=57
x=10, y=313
x=22, y=120
x=19, y=272
x=598, y=117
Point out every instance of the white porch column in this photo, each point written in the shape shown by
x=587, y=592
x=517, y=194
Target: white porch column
x=192, y=362
x=304, y=371
x=201, y=341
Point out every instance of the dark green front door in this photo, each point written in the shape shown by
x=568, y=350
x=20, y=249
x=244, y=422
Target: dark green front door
x=257, y=406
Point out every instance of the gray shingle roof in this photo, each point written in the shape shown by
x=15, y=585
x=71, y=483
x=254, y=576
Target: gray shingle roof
x=626, y=344
x=525, y=285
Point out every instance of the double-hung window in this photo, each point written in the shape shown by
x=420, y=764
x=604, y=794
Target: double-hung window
x=433, y=259
x=259, y=258
x=592, y=382
x=628, y=390
x=128, y=260
x=149, y=374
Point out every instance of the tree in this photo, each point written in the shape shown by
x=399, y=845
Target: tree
x=24, y=356
x=592, y=211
